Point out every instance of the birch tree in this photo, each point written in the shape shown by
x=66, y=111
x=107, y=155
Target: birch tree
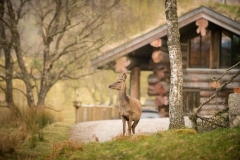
x=175, y=57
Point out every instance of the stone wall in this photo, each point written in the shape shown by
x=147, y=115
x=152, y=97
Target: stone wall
x=234, y=109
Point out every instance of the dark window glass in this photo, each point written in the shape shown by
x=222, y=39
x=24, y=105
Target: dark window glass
x=200, y=51
x=190, y=101
x=230, y=49
x=236, y=49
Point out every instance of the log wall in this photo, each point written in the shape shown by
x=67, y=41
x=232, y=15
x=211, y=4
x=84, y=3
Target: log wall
x=193, y=79
x=200, y=79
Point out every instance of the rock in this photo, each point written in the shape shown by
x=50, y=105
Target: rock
x=234, y=109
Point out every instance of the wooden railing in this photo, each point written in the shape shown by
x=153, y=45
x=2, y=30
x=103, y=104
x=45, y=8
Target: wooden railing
x=85, y=112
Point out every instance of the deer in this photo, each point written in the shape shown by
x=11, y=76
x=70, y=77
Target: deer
x=130, y=108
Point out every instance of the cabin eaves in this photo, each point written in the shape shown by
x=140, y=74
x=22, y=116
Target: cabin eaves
x=192, y=16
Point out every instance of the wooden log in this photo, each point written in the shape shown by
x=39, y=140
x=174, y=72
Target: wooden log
x=151, y=90
x=159, y=56
x=236, y=90
x=160, y=73
x=160, y=88
x=159, y=43
x=205, y=77
x=210, y=71
x=209, y=93
x=205, y=85
x=161, y=100
x=153, y=79
x=215, y=84
x=121, y=64
x=153, y=65
x=156, y=43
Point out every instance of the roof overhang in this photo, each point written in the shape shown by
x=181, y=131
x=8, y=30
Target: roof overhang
x=190, y=17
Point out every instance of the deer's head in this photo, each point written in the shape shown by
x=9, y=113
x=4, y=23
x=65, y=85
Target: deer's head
x=120, y=83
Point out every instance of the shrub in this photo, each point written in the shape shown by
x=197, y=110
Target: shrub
x=20, y=123
x=34, y=120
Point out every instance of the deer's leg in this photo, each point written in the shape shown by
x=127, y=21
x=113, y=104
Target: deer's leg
x=124, y=125
x=134, y=126
x=129, y=125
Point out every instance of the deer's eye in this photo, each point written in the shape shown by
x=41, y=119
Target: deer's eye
x=118, y=82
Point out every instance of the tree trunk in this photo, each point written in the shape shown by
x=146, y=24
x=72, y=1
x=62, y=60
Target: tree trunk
x=9, y=77
x=8, y=61
x=17, y=47
x=42, y=96
x=45, y=83
x=175, y=57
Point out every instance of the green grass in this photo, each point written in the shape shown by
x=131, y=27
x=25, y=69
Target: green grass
x=220, y=144
x=180, y=144
x=53, y=134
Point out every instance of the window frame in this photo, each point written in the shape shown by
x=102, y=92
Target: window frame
x=187, y=109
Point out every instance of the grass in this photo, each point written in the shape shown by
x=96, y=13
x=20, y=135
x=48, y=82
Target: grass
x=55, y=134
x=178, y=144
x=16, y=143
x=29, y=132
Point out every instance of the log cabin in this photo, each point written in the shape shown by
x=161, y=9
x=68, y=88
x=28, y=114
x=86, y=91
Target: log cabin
x=210, y=43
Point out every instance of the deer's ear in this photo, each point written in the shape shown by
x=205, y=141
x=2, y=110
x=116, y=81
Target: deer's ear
x=123, y=76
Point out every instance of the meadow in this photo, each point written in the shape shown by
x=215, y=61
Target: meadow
x=36, y=134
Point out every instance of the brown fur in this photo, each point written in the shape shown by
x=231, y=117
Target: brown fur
x=130, y=108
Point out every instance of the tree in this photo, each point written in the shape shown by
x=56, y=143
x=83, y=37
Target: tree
x=7, y=41
x=69, y=31
x=70, y=34
x=175, y=57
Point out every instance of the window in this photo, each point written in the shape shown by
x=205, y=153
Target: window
x=223, y=45
x=230, y=49
x=199, y=51
x=190, y=100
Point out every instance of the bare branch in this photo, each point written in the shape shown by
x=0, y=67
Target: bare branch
x=20, y=91
x=56, y=18
x=78, y=77
x=56, y=110
x=217, y=79
x=217, y=90
x=19, y=11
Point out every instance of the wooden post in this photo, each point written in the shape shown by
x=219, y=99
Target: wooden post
x=77, y=105
x=215, y=48
x=135, y=83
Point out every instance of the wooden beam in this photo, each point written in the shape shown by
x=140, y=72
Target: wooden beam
x=135, y=82
x=215, y=48
x=142, y=62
